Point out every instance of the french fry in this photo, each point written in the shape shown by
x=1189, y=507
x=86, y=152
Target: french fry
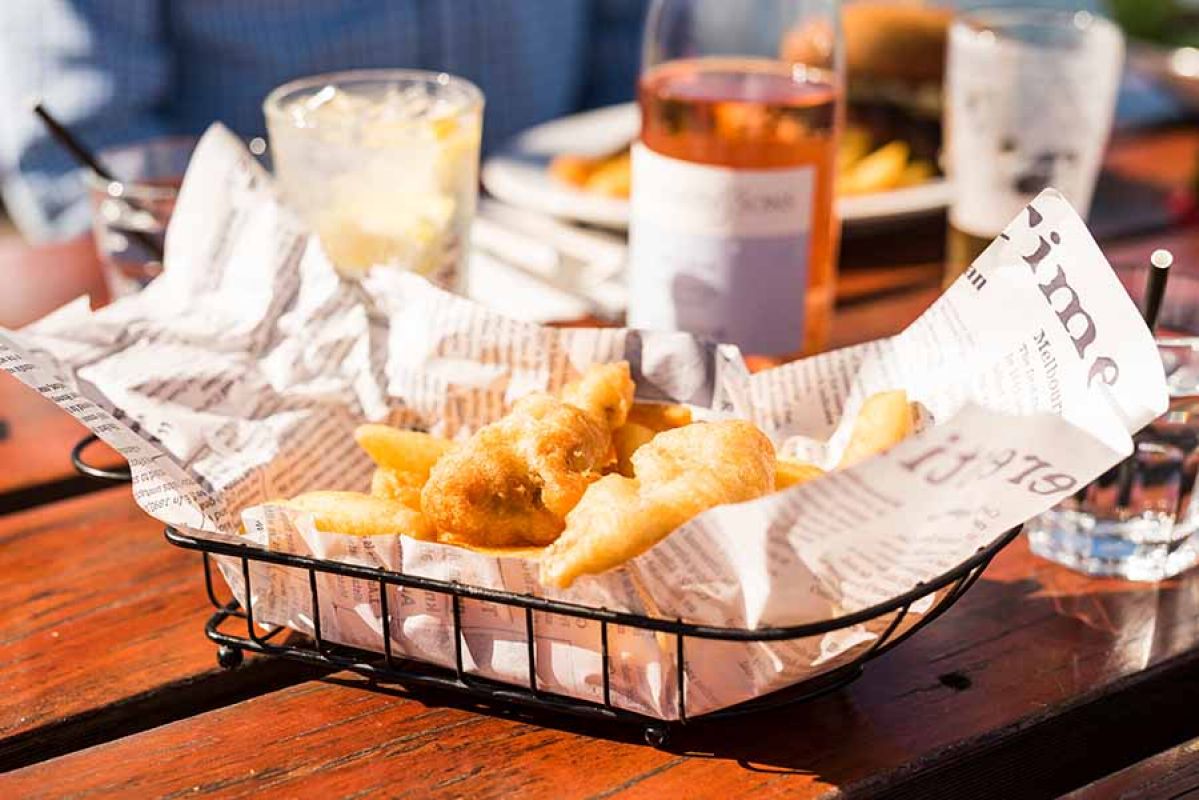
x=884, y=420
x=877, y=172
x=574, y=170
x=789, y=473
x=360, y=514
x=916, y=173
x=626, y=439
x=605, y=392
x=659, y=417
x=402, y=487
x=613, y=177
x=401, y=451
x=853, y=147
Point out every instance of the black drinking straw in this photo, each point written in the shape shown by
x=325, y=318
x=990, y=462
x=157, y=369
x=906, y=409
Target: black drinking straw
x=84, y=156
x=1151, y=306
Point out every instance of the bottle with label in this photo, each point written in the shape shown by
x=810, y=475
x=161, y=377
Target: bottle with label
x=733, y=231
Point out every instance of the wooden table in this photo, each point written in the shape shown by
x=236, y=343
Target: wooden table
x=1173, y=773
x=1038, y=682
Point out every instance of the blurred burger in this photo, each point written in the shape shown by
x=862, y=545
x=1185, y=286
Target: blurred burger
x=896, y=47
x=895, y=66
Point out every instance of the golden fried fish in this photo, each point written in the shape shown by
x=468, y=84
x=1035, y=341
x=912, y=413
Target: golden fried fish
x=604, y=391
x=513, y=482
x=678, y=474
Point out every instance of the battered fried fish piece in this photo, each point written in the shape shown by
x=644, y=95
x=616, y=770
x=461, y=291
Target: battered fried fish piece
x=604, y=391
x=678, y=474
x=513, y=482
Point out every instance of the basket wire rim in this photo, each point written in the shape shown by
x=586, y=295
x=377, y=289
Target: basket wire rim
x=977, y=560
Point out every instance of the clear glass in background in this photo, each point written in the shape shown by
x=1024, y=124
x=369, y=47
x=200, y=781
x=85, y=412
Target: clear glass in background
x=1030, y=96
x=733, y=233
x=383, y=166
x=130, y=215
x=1150, y=533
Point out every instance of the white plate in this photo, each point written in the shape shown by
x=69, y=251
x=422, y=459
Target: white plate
x=518, y=174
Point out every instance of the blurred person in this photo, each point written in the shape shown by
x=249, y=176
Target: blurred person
x=121, y=71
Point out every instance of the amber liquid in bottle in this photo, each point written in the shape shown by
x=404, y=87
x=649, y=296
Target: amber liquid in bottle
x=757, y=114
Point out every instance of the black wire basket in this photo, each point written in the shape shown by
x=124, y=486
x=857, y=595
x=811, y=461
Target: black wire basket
x=384, y=666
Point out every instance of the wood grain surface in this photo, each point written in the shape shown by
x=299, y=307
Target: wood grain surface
x=1012, y=694
x=883, y=316
x=100, y=622
x=1165, y=776
x=1167, y=157
x=36, y=438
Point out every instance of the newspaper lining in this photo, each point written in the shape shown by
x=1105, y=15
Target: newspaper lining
x=239, y=376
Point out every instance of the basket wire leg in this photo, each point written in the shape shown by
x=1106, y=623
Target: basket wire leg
x=261, y=641
x=607, y=663
x=316, y=612
x=886, y=634
x=531, y=643
x=456, y=607
x=226, y=655
x=963, y=585
x=656, y=734
x=249, y=604
x=681, y=673
x=954, y=592
x=208, y=587
x=386, y=613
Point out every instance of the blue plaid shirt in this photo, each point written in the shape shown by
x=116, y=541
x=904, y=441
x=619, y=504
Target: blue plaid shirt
x=117, y=71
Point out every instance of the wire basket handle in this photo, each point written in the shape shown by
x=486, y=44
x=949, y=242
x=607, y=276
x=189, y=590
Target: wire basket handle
x=113, y=475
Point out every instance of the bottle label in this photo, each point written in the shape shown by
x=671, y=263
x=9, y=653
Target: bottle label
x=720, y=252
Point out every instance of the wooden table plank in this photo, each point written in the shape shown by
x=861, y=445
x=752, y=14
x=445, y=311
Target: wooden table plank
x=866, y=285
x=1134, y=252
x=37, y=278
x=880, y=317
x=101, y=627
x=1165, y=776
x=36, y=438
x=1167, y=157
x=1033, y=654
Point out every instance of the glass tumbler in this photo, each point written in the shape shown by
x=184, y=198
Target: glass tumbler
x=383, y=165
x=1139, y=520
x=1029, y=99
x=130, y=215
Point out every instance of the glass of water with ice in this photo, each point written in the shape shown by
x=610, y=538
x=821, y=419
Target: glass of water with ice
x=383, y=165
x=1139, y=520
